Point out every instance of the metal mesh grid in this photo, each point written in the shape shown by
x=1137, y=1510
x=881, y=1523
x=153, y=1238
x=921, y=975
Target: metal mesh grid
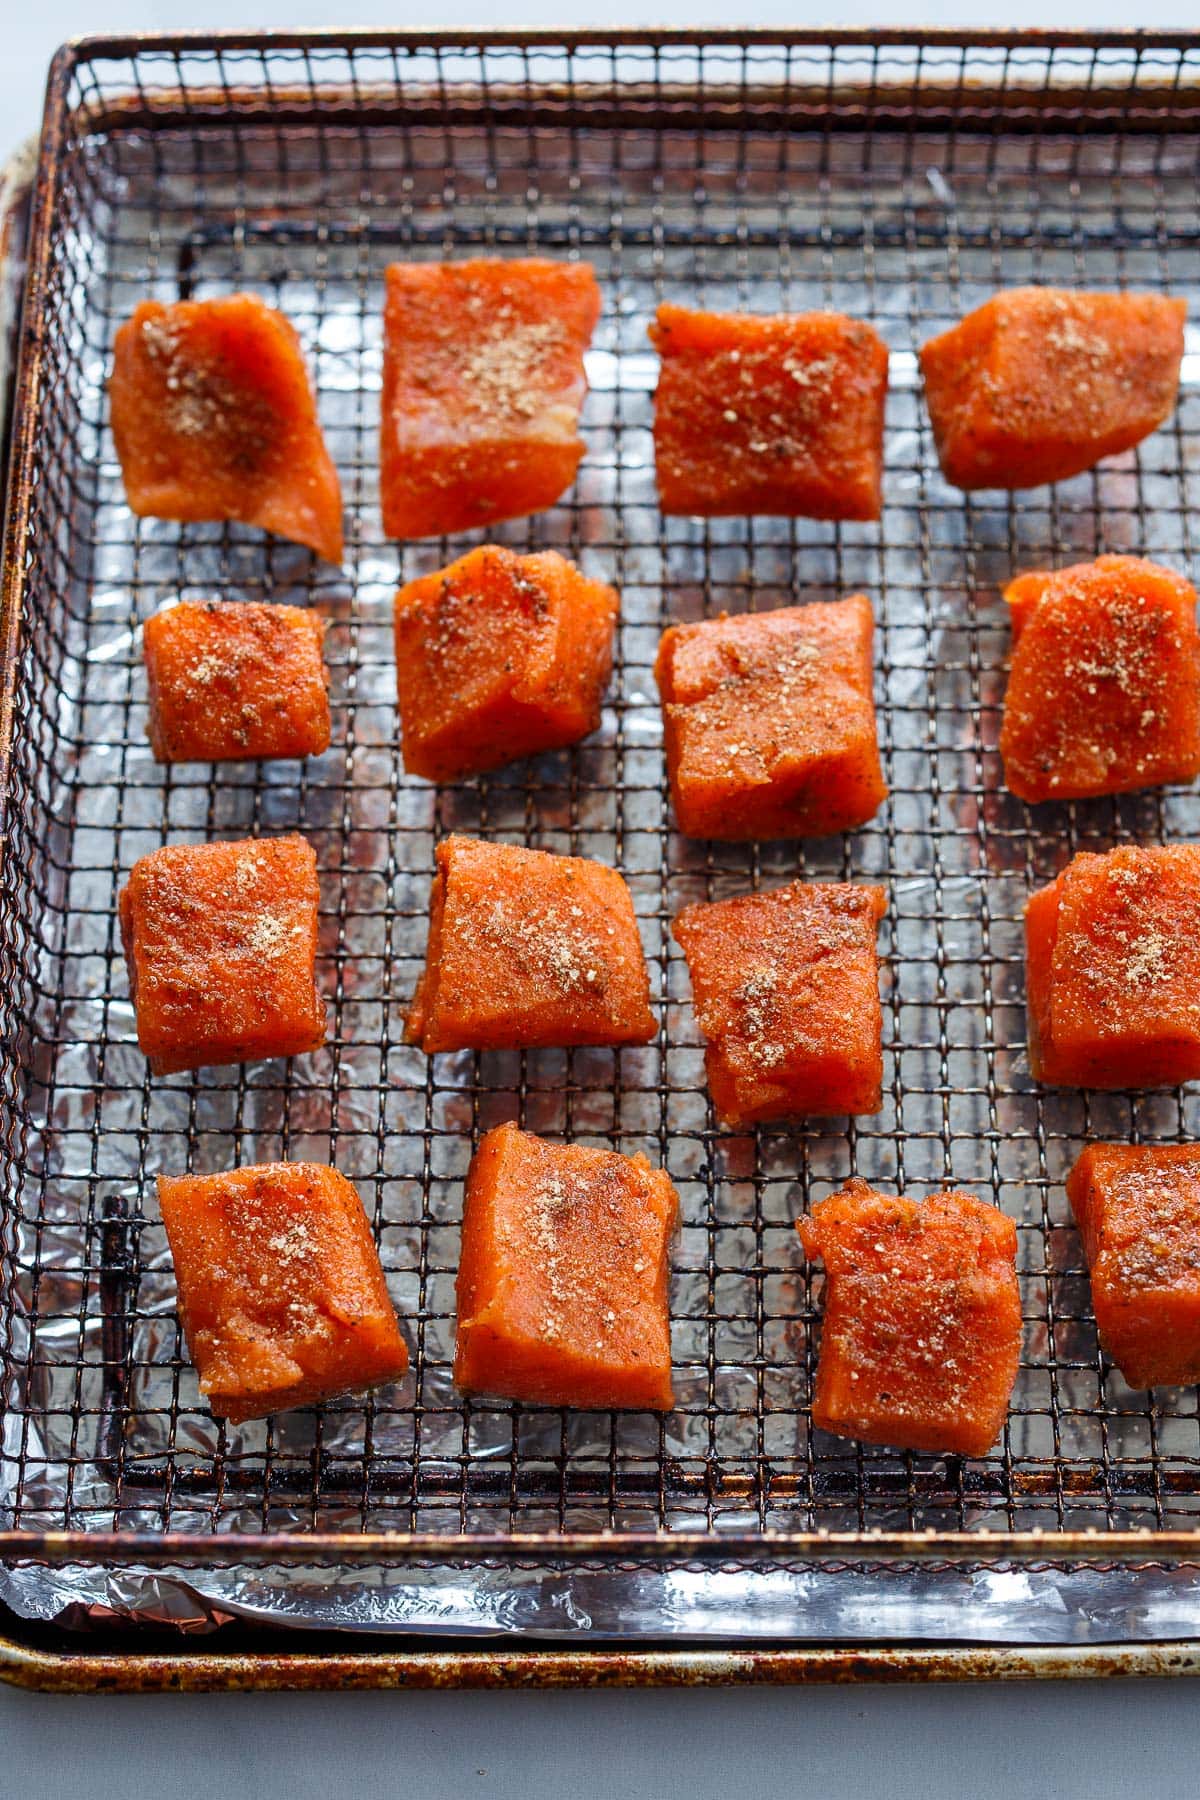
x=908, y=222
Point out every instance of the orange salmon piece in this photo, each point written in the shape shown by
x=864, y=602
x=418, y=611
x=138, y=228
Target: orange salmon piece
x=785, y=986
x=922, y=1335
x=281, y=1296
x=483, y=381
x=1137, y=1207
x=235, y=679
x=562, y=1282
x=1104, y=694
x=528, y=950
x=769, y=722
x=497, y=657
x=780, y=415
x=1039, y=384
x=221, y=943
x=1112, y=970
x=214, y=417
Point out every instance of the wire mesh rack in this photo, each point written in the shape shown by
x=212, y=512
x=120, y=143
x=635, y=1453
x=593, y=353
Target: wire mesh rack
x=896, y=179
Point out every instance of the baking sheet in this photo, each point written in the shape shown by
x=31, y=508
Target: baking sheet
x=103, y=1426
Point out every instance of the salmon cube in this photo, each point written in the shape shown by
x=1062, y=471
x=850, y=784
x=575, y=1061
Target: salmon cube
x=769, y=722
x=1040, y=383
x=1137, y=1207
x=281, y=1296
x=563, y=1278
x=483, y=381
x=221, y=944
x=235, y=679
x=214, y=417
x=528, y=950
x=779, y=415
x=922, y=1334
x=785, y=986
x=1104, y=694
x=497, y=657
x=1113, y=970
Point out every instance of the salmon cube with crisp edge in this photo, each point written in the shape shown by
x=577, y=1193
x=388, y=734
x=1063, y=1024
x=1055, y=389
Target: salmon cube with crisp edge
x=497, y=657
x=1040, y=383
x=528, y=950
x=785, y=986
x=1137, y=1207
x=779, y=415
x=563, y=1277
x=922, y=1333
x=221, y=943
x=483, y=381
x=281, y=1296
x=236, y=679
x=1112, y=970
x=214, y=417
x=1104, y=693
x=769, y=722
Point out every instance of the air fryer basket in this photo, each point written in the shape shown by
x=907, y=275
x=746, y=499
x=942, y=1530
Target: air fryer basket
x=900, y=178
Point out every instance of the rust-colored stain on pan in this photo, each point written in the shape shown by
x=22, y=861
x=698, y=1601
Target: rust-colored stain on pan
x=329, y=1667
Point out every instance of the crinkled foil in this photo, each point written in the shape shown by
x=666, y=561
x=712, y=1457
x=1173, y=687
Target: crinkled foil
x=871, y=1604
x=103, y=1426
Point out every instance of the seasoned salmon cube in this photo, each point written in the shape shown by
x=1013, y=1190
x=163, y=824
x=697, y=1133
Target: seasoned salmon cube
x=785, y=986
x=1137, y=1207
x=1104, y=693
x=483, y=381
x=769, y=722
x=235, y=679
x=528, y=950
x=221, y=944
x=281, y=1296
x=922, y=1333
x=1040, y=383
x=563, y=1278
x=214, y=417
x=778, y=415
x=1113, y=970
x=497, y=657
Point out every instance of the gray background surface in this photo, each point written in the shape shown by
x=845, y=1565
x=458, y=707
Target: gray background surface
x=1062, y=1740
x=1052, y=1741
